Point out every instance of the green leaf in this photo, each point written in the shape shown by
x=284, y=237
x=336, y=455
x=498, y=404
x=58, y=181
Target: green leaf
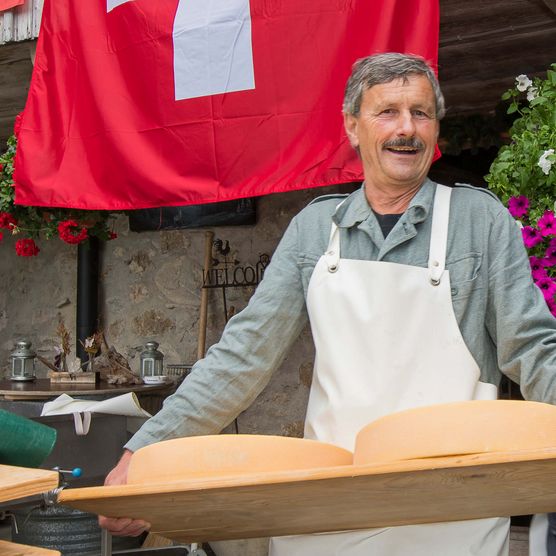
x=537, y=101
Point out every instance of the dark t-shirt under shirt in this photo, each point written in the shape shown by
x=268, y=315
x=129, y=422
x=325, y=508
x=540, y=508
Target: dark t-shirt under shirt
x=387, y=222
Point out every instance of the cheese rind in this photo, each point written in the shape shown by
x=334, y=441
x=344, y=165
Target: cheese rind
x=459, y=428
x=230, y=454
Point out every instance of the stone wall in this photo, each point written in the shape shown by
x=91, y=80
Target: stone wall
x=150, y=289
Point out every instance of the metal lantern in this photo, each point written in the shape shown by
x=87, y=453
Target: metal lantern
x=23, y=362
x=151, y=361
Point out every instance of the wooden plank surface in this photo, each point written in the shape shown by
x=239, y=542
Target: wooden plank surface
x=12, y=549
x=339, y=498
x=19, y=482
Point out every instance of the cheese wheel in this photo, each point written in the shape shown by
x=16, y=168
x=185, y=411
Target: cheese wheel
x=459, y=428
x=230, y=454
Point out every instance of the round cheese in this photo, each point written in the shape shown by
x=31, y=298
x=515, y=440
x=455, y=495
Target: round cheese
x=459, y=428
x=230, y=454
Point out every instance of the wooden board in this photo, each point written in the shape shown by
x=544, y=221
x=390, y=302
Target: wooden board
x=73, y=378
x=334, y=499
x=12, y=549
x=19, y=482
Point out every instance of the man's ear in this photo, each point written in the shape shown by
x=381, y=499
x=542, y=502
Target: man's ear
x=350, y=124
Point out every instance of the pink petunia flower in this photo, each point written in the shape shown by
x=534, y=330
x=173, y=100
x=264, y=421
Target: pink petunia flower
x=518, y=206
x=538, y=270
x=547, y=286
x=547, y=224
x=539, y=274
x=531, y=236
x=536, y=263
x=550, y=255
x=551, y=305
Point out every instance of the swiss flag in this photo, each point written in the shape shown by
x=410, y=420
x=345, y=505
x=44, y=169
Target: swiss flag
x=149, y=103
x=9, y=4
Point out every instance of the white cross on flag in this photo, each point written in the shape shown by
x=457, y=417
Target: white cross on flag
x=148, y=103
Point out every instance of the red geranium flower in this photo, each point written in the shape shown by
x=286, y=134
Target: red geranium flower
x=7, y=221
x=112, y=235
x=26, y=248
x=69, y=231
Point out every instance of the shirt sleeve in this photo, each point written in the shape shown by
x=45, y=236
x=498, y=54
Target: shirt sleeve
x=239, y=366
x=518, y=319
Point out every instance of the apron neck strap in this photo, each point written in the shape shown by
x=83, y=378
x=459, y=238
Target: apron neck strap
x=332, y=254
x=439, y=237
x=439, y=233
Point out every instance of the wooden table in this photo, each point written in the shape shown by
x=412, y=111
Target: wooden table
x=42, y=389
x=335, y=498
x=150, y=396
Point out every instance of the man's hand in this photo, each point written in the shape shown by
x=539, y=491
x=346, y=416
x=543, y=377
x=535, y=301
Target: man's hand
x=124, y=526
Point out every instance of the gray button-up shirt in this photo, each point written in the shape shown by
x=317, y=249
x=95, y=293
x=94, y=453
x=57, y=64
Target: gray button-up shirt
x=502, y=315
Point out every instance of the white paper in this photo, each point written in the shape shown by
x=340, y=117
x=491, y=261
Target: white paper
x=126, y=404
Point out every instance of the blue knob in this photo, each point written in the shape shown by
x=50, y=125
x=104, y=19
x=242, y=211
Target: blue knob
x=75, y=472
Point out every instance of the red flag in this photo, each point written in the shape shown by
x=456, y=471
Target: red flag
x=149, y=103
x=9, y=4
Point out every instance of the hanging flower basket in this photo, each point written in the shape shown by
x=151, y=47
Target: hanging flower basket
x=523, y=174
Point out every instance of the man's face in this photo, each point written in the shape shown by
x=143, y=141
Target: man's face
x=395, y=132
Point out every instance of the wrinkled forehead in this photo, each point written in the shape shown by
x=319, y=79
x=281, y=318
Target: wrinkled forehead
x=414, y=89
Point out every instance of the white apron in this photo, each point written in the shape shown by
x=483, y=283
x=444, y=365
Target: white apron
x=387, y=339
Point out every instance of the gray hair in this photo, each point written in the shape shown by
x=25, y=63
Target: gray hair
x=383, y=68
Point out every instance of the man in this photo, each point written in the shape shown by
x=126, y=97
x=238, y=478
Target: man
x=416, y=294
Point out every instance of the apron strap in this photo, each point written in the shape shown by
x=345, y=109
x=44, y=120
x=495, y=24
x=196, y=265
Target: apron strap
x=439, y=233
x=332, y=255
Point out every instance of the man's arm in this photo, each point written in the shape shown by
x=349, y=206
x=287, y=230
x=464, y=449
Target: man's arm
x=518, y=319
x=238, y=367
x=234, y=371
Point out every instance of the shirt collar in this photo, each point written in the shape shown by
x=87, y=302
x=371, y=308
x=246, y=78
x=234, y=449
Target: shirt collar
x=355, y=209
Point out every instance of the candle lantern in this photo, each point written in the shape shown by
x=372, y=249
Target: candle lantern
x=23, y=362
x=151, y=361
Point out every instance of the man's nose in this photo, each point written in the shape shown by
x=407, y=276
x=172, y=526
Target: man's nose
x=406, y=124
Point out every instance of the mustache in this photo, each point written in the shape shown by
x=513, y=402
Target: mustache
x=411, y=142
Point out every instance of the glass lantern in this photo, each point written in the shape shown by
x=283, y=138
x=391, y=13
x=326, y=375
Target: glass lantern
x=151, y=361
x=23, y=362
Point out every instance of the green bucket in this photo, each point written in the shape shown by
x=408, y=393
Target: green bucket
x=24, y=442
